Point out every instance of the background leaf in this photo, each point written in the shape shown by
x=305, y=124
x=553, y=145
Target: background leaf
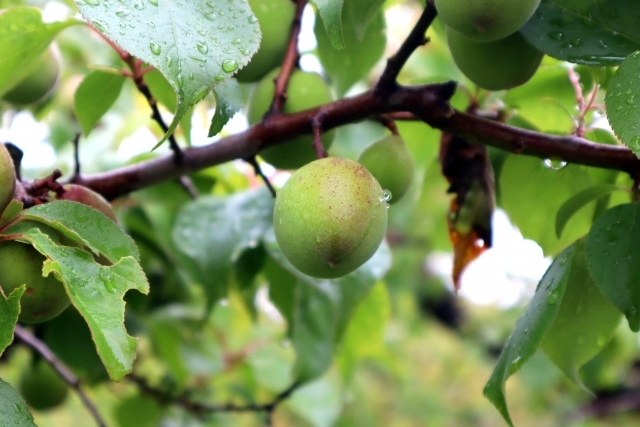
x=362, y=12
x=621, y=102
x=331, y=13
x=95, y=95
x=9, y=312
x=228, y=103
x=13, y=408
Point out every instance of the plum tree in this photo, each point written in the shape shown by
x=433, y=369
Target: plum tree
x=306, y=90
x=498, y=65
x=86, y=196
x=41, y=387
x=7, y=178
x=39, y=83
x=330, y=217
x=486, y=20
x=391, y=163
x=275, y=36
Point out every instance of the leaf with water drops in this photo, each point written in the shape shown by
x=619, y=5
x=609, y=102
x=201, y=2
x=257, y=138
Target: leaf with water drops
x=97, y=292
x=228, y=103
x=195, y=44
x=585, y=322
x=622, y=106
x=13, y=408
x=331, y=13
x=585, y=31
x=613, y=258
x=23, y=38
x=9, y=312
x=530, y=329
x=95, y=95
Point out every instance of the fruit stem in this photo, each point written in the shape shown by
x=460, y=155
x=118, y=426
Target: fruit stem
x=321, y=153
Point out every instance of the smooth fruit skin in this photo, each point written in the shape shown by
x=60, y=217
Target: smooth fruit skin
x=39, y=83
x=391, y=163
x=7, y=178
x=486, y=20
x=45, y=297
x=42, y=388
x=305, y=91
x=330, y=217
x=498, y=65
x=275, y=18
x=86, y=196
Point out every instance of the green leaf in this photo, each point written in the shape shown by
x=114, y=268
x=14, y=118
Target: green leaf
x=97, y=292
x=585, y=322
x=95, y=95
x=24, y=37
x=195, y=46
x=9, y=312
x=161, y=89
x=622, y=108
x=331, y=13
x=523, y=176
x=228, y=103
x=530, y=329
x=585, y=31
x=13, y=408
x=355, y=60
x=578, y=201
x=11, y=212
x=362, y=13
x=613, y=258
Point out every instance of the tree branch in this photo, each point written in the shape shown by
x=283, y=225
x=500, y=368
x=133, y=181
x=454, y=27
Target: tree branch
x=41, y=348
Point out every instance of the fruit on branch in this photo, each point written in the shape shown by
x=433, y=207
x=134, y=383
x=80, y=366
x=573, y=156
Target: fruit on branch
x=86, y=196
x=7, y=178
x=42, y=387
x=498, y=65
x=21, y=264
x=330, y=217
x=275, y=18
x=486, y=20
x=305, y=91
x=39, y=83
x=391, y=163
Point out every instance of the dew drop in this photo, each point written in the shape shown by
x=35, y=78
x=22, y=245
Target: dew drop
x=170, y=61
x=122, y=12
x=236, y=41
x=244, y=51
x=252, y=19
x=552, y=298
x=155, y=48
x=554, y=164
x=219, y=78
x=556, y=35
x=229, y=65
x=92, y=2
x=203, y=48
x=386, y=195
x=180, y=80
x=101, y=26
x=153, y=2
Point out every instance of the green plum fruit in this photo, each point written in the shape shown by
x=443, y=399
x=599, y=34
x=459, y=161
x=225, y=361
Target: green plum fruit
x=330, y=217
x=7, y=178
x=305, y=91
x=275, y=18
x=486, y=20
x=41, y=387
x=86, y=196
x=498, y=65
x=39, y=83
x=391, y=163
x=21, y=264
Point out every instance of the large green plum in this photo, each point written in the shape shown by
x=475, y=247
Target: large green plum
x=41, y=387
x=86, y=196
x=391, y=163
x=486, y=20
x=330, y=217
x=39, y=83
x=498, y=65
x=7, y=178
x=274, y=18
x=21, y=264
x=305, y=91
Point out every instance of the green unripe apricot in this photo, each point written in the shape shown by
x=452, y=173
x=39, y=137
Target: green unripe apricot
x=305, y=91
x=330, y=217
x=498, y=65
x=486, y=20
x=42, y=388
x=7, y=178
x=391, y=163
x=275, y=18
x=86, y=196
x=39, y=83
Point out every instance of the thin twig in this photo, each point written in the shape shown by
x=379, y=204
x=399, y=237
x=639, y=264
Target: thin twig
x=321, y=153
x=76, y=154
x=188, y=185
x=388, y=121
x=258, y=171
x=41, y=348
x=574, y=78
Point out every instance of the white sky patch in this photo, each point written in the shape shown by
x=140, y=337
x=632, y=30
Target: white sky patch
x=31, y=137
x=139, y=142
x=54, y=11
x=307, y=39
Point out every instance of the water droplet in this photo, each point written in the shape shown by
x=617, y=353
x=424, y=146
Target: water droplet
x=252, y=19
x=556, y=35
x=203, y=48
x=244, y=51
x=386, y=195
x=101, y=26
x=563, y=260
x=210, y=16
x=180, y=80
x=229, y=65
x=170, y=61
x=151, y=24
x=138, y=4
x=553, y=298
x=153, y=2
x=92, y=2
x=236, y=41
x=201, y=59
x=576, y=41
x=155, y=48
x=122, y=12
x=191, y=76
x=554, y=164
x=515, y=364
x=219, y=78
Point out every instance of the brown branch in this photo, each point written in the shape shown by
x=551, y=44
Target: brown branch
x=316, y=127
x=41, y=348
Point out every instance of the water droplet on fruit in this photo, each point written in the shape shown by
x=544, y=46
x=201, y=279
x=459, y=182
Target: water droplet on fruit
x=229, y=65
x=554, y=164
x=386, y=195
x=155, y=48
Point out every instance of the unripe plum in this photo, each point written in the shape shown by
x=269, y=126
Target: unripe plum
x=39, y=83
x=486, y=20
x=7, y=178
x=305, y=91
x=42, y=388
x=330, y=217
x=498, y=65
x=391, y=163
x=86, y=196
x=275, y=18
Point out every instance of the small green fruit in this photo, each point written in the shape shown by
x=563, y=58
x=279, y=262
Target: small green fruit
x=330, y=217
x=86, y=196
x=42, y=388
x=391, y=163
x=486, y=20
x=275, y=18
x=305, y=91
x=7, y=178
x=39, y=83
x=498, y=65
x=21, y=264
